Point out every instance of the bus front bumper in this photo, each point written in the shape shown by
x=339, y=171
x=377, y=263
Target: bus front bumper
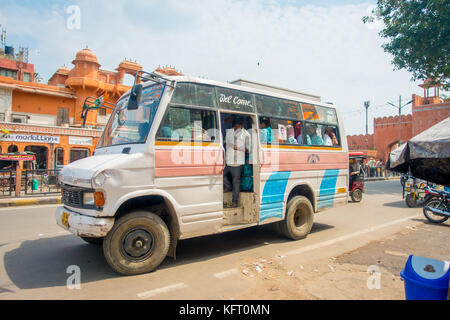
x=82, y=225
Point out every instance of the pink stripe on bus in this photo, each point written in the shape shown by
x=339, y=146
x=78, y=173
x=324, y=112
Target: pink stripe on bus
x=186, y=162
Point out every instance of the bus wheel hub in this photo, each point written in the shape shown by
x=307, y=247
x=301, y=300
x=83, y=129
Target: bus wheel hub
x=138, y=243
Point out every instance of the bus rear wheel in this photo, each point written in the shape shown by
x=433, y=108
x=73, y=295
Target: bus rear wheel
x=299, y=218
x=137, y=243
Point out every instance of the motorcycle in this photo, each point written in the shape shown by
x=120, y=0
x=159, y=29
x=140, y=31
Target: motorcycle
x=416, y=195
x=403, y=179
x=437, y=210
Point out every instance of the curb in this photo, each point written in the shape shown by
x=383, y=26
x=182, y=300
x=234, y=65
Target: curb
x=381, y=179
x=30, y=202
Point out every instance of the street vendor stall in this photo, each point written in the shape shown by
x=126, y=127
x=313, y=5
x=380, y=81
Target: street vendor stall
x=13, y=162
x=425, y=156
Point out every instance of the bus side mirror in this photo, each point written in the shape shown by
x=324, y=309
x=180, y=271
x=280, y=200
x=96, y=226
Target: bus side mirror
x=135, y=96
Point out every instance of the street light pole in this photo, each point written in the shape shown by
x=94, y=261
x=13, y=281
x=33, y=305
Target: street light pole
x=400, y=107
x=366, y=105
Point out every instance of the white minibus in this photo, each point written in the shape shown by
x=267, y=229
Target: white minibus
x=156, y=175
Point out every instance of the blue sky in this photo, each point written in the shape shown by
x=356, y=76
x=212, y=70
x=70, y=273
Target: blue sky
x=319, y=46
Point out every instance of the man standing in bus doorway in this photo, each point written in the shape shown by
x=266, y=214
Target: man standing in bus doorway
x=237, y=142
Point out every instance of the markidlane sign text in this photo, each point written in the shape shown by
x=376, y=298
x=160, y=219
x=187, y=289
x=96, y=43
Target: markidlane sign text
x=29, y=138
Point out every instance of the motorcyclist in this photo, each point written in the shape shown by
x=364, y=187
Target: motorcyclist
x=353, y=171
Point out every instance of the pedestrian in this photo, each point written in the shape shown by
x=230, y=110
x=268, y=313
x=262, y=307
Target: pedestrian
x=371, y=165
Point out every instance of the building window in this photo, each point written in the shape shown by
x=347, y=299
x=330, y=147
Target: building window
x=18, y=118
x=77, y=154
x=2, y=117
x=12, y=148
x=26, y=77
x=8, y=73
x=41, y=154
x=102, y=111
x=59, y=157
x=63, y=116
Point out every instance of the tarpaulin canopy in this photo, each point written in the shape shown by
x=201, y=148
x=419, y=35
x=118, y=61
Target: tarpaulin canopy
x=427, y=155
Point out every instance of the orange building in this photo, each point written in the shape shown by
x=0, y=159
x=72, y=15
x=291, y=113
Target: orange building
x=46, y=118
x=426, y=112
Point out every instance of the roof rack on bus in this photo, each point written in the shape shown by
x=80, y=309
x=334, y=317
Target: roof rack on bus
x=153, y=76
x=92, y=103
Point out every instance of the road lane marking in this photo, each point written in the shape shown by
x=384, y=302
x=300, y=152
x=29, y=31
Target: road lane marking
x=225, y=273
x=349, y=236
x=28, y=208
x=154, y=292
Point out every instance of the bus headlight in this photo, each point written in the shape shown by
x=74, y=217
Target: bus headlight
x=88, y=198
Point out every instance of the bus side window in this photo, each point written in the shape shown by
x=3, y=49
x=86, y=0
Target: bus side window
x=281, y=131
x=186, y=124
x=330, y=136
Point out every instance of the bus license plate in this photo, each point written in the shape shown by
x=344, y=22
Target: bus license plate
x=65, y=219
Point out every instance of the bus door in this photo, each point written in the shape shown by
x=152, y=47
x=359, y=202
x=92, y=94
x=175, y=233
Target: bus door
x=247, y=211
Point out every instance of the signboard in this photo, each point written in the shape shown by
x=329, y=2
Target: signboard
x=80, y=141
x=17, y=157
x=235, y=100
x=29, y=138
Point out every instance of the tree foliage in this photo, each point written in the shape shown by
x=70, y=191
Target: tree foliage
x=418, y=34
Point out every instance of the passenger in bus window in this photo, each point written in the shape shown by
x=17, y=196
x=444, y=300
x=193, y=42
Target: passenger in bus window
x=291, y=134
x=330, y=138
x=281, y=133
x=166, y=131
x=298, y=127
x=311, y=135
x=266, y=131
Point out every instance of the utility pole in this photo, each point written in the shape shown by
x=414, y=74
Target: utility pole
x=366, y=105
x=400, y=107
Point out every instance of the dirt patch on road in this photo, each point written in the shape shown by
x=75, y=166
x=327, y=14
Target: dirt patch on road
x=271, y=280
x=371, y=272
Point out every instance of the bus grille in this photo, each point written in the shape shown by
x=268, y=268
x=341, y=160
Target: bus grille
x=72, y=196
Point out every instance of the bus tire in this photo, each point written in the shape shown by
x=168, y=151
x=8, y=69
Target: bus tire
x=137, y=243
x=299, y=218
x=95, y=241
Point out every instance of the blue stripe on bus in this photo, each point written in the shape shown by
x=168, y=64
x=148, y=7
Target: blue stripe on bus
x=273, y=195
x=328, y=188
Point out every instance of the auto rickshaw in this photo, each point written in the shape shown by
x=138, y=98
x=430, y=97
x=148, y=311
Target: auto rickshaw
x=356, y=182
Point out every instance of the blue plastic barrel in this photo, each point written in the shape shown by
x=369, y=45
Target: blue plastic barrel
x=425, y=279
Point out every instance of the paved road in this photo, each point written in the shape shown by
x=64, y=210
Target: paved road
x=35, y=253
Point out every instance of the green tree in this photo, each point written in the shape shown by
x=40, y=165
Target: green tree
x=418, y=36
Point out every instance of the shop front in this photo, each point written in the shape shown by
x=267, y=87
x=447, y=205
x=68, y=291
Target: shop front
x=53, y=147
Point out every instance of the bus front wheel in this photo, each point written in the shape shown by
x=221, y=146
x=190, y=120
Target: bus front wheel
x=299, y=218
x=137, y=243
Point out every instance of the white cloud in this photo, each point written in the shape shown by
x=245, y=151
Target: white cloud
x=322, y=50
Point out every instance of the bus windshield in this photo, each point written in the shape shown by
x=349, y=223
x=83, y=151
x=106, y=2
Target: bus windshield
x=132, y=126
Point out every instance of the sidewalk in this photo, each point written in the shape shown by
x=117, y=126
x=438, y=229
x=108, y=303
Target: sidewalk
x=371, y=272
x=30, y=201
x=382, y=178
